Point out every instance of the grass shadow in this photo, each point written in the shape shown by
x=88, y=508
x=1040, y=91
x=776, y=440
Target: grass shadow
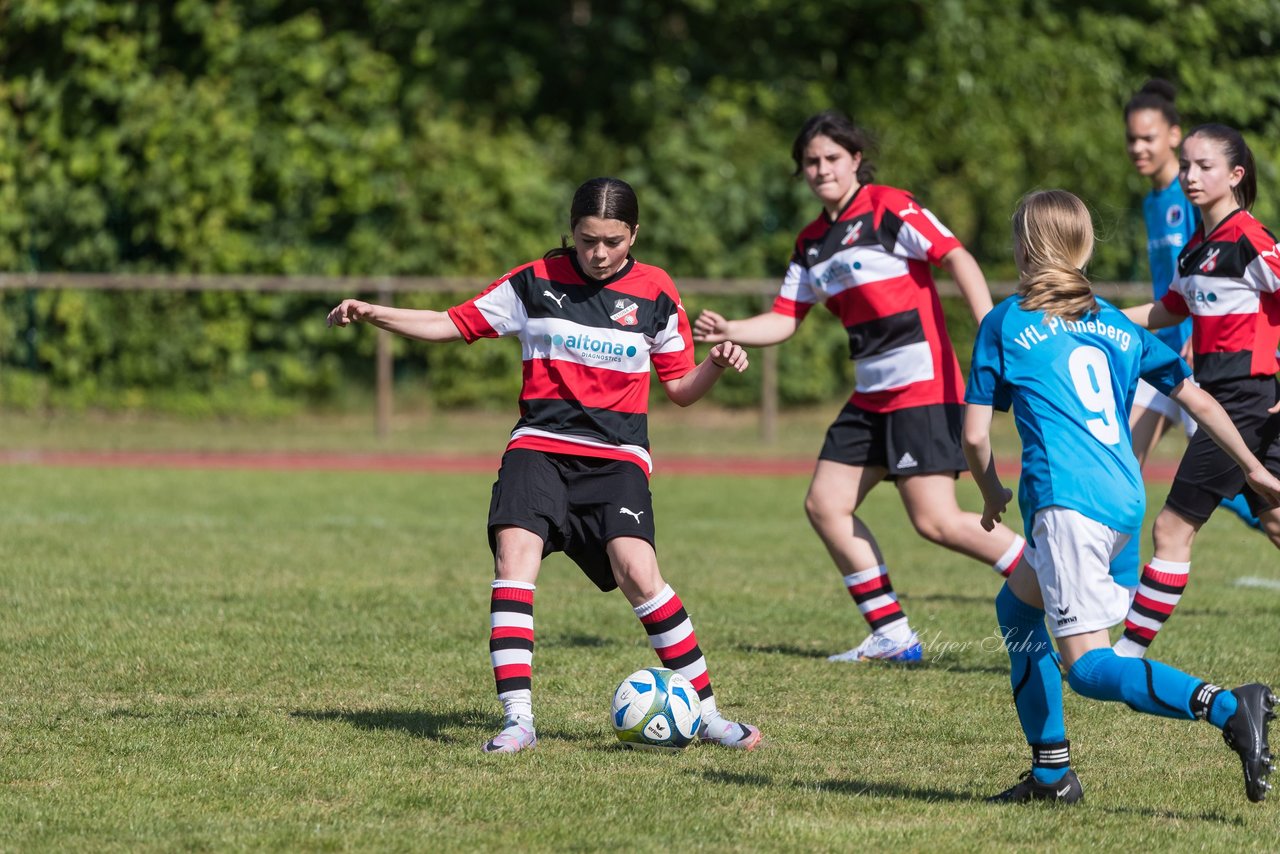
x=428, y=725
x=844, y=787
x=859, y=788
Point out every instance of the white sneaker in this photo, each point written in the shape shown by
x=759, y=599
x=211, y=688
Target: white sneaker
x=880, y=648
x=731, y=734
x=516, y=735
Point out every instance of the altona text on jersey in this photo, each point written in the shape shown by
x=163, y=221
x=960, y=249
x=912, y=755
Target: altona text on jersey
x=1038, y=332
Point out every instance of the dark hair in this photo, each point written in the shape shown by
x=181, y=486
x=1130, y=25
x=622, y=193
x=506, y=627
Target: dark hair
x=837, y=127
x=1158, y=95
x=606, y=198
x=1238, y=154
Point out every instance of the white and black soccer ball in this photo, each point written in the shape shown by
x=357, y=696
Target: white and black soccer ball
x=656, y=709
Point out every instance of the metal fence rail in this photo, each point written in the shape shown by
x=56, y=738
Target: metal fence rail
x=384, y=289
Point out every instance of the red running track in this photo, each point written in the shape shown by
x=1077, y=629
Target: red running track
x=420, y=463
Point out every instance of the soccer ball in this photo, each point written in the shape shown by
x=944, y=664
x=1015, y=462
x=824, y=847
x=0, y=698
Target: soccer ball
x=656, y=709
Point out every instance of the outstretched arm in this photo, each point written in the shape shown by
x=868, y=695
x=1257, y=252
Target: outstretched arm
x=968, y=277
x=1152, y=315
x=1215, y=421
x=982, y=464
x=693, y=385
x=763, y=330
x=421, y=324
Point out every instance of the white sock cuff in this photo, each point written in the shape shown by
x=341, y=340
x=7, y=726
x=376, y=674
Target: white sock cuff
x=1011, y=554
x=1172, y=567
x=518, y=585
x=862, y=576
x=665, y=595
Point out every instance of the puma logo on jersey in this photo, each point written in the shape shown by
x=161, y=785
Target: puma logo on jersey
x=851, y=234
x=908, y=210
x=813, y=251
x=632, y=513
x=1210, y=261
x=1273, y=252
x=558, y=299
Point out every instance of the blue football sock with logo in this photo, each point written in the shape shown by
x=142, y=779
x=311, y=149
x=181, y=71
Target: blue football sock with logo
x=1036, y=683
x=1149, y=686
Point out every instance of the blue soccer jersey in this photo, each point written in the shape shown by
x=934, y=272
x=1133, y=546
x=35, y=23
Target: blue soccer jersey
x=1170, y=220
x=1071, y=385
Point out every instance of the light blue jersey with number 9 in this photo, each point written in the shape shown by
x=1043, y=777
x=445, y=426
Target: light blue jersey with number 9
x=1070, y=385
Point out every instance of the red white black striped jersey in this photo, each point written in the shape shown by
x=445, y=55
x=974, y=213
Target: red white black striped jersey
x=587, y=348
x=1228, y=281
x=871, y=267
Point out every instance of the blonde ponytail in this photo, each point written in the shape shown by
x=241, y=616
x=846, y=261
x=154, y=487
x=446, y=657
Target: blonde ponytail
x=1053, y=240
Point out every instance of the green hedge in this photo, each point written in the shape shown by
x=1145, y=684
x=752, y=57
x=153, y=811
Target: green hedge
x=390, y=138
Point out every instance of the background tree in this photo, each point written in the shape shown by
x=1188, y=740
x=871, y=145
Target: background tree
x=389, y=137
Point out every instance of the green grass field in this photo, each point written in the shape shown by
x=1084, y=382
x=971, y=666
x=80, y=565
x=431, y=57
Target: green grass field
x=213, y=660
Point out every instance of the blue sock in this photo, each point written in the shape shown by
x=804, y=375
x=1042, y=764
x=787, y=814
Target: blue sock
x=1149, y=686
x=1221, y=707
x=1036, y=683
x=1240, y=507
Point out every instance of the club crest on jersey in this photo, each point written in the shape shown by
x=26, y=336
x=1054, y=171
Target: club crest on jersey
x=1173, y=216
x=625, y=312
x=1210, y=262
x=851, y=233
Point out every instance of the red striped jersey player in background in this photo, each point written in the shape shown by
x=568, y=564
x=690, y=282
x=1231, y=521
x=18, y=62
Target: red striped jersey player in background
x=592, y=321
x=1227, y=280
x=868, y=257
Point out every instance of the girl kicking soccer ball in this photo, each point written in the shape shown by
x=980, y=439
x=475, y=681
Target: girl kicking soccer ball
x=1068, y=364
x=592, y=322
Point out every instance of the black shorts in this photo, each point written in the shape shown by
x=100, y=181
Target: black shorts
x=575, y=504
x=919, y=440
x=1207, y=474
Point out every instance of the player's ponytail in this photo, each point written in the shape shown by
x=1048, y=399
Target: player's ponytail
x=1053, y=241
x=606, y=198
x=1237, y=152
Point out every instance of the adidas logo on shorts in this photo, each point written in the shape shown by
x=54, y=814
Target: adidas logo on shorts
x=907, y=461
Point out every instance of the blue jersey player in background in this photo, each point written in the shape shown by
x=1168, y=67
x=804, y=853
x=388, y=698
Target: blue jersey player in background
x=1152, y=136
x=1067, y=363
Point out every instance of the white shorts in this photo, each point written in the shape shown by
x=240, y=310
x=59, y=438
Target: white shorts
x=1147, y=397
x=1071, y=555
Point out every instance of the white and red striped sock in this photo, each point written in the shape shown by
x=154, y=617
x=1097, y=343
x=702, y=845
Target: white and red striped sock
x=876, y=601
x=672, y=637
x=1159, y=589
x=511, y=646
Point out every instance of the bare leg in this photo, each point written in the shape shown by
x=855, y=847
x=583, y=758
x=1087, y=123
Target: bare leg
x=835, y=494
x=930, y=500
